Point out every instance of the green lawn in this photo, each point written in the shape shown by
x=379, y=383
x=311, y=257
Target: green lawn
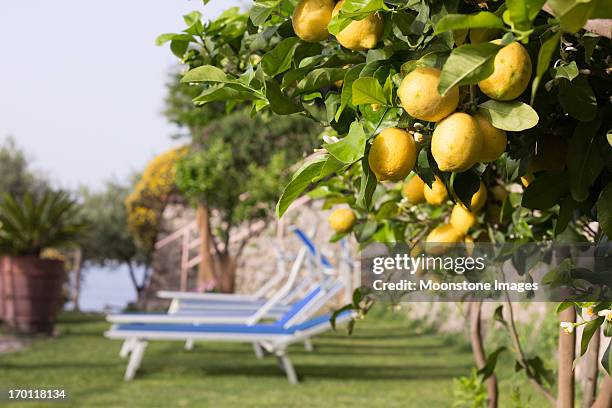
x=383, y=364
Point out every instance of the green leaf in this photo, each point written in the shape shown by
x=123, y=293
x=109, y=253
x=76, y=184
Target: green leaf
x=386, y=210
x=353, y=10
x=205, y=73
x=498, y=315
x=604, y=210
x=567, y=71
x=192, y=18
x=589, y=41
x=347, y=88
x=194, y=23
x=332, y=102
x=489, y=366
x=179, y=47
x=545, y=191
x=512, y=116
x=350, y=148
x=465, y=185
x=279, y=102
x=606, y=360
x=534, y=7
x=607, y=329
x=468, y=64
x=566, y=210
x=577, y=98
x=558, y=275
x=517, y=13
x=589, y=330
x=547, y=49
x=540, y=371
x=164, y=38
x=367, y=187
x=364, y=231
x=278, y=59
x=585, y=161
x=367, y=90
x=423, y=167
x=261, y=10
x=319, y=78
x=483, y=19
x=573, y=14
x=334, y=316
x=315, y=169
x=223, y=92
x=562, y=306
x=330, y=166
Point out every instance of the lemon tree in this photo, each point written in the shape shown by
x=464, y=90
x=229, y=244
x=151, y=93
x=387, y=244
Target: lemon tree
x=510, y=98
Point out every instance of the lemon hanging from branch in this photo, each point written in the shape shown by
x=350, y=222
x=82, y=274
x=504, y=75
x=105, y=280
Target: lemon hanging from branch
x=393, y=155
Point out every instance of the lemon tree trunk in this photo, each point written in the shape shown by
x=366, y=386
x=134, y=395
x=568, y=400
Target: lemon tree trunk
x=592, y=370
x=227, y=273
x=567, y=344
x=479, y=352
x=206, y=273
x=604, y=398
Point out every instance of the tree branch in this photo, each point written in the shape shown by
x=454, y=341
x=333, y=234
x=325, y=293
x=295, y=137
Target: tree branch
x=479, y=352
x=522, y=359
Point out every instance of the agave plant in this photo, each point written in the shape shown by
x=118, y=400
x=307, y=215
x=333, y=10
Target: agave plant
x=33, y=223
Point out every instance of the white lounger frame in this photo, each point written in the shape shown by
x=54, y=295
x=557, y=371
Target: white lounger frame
x=135, y=341
x=276, y=344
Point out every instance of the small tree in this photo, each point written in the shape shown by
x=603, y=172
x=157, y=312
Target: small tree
x=236, y=168
x=108, y=241
x=17, y=178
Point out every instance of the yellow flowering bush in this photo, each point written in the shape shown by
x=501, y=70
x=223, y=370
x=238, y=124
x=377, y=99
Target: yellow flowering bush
x=150, y=195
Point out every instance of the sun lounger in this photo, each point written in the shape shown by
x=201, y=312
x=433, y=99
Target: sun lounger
x=296, y=325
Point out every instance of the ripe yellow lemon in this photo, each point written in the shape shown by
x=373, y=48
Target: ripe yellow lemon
x=456, y=142
x=310, y=19
x=419, y=95
x=342, y=220
x=511, y=74
x=393, y=155
x=413, y=190
x=479, y=198
x=494, y=140
x=438, y=241
x=360, y=35
x=461, y=219
x=436, y=194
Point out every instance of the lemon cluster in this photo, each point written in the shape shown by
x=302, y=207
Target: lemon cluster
x=459, y=140
x=461, y=219
x=311, y=18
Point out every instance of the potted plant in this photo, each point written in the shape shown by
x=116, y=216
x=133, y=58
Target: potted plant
x=30, y=285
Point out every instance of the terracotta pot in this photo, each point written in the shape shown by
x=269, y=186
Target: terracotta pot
x=30, y=292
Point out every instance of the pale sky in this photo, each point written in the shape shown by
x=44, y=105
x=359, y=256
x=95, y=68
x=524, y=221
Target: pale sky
x=82, y=83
